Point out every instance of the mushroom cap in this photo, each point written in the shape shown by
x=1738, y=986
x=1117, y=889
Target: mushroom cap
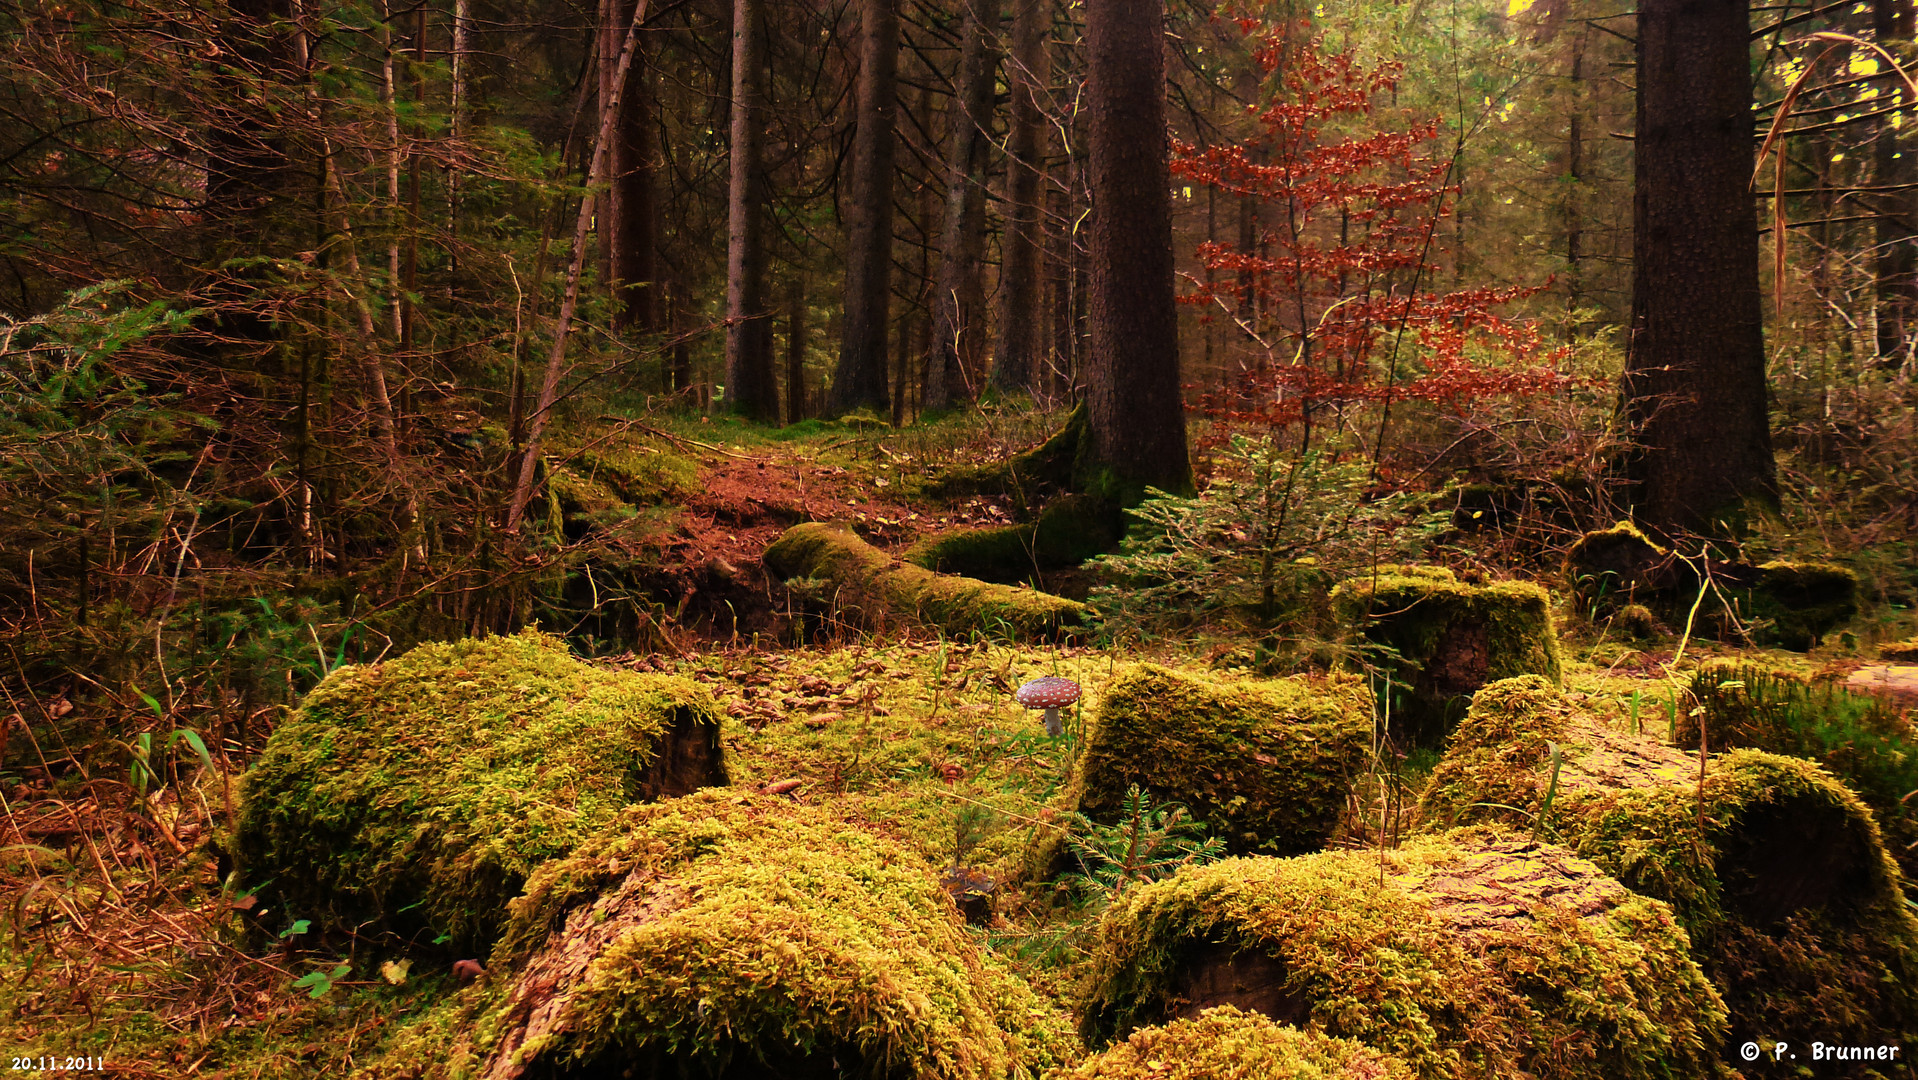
x=1047, y=693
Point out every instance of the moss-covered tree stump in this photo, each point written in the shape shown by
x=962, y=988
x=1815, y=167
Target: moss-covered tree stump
x=1265, y=763
x=1070, y=530
x=1225, y=1043
x=1789, y=604
x=745, y=936
x=1779, y=873
x=1478, y=954
x=1446, y=638
x=877, y=589
x=416, y=795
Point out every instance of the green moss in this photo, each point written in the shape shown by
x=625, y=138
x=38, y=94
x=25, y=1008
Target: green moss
x=1265, y=763
x=1899, y=652
x=1070, y=530
x=1226, y=1042
x=415, y=795
x=1052, y=463
x=728, y=925
x=1475, y=954
x=879, y=587
x=1447, y=638
x=1795, y=604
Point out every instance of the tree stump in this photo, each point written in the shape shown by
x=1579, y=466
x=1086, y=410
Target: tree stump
x=416, y=795
x=1477, y=954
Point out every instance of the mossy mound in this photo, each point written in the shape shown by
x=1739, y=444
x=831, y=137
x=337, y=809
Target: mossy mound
x=1475, y=954
x=1789, y=604
x=1780, y=874
x=416, y=795
x=1902, y=652
x=1265, y=763
x=1070, y=530
x=1225, y=1043
x=877, y=588
x=1447, y=638
x=748, y=936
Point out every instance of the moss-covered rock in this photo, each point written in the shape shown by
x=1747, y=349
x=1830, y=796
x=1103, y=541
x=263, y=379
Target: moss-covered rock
x=877, y=588
x=1070, y=530
x=1447, y=638
x=1780, y=874
x=417, y=794
x=1225, y=1043
x=1265, y=763
x=747, y=933
x=1475, y=954
x=1795, y=604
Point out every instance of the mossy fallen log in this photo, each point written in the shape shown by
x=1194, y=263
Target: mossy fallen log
x=877, y=589
x=1225, y=1043
x=1447, y=638
x=1779, y=872
x=1476, y=954
x=745, y=936
x=416, y=795
x=1051, y=464
x=1266, y=764
x=1789, y=604
x=1070, y=530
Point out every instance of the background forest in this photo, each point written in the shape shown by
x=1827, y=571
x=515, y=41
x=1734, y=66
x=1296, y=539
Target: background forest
x=331, y=329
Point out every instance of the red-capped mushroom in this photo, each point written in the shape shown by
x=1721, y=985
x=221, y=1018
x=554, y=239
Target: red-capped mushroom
x=1051, y=693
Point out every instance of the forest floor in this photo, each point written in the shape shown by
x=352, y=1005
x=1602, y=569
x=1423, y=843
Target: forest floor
x=128, y=952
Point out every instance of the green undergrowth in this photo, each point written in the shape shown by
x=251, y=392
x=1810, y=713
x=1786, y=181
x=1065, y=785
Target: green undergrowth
x=417, y=794
x=1070, y=530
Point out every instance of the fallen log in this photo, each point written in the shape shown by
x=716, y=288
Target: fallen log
x=877, y=589
x=416, y=795
x=1476, y=954
x=751, y=937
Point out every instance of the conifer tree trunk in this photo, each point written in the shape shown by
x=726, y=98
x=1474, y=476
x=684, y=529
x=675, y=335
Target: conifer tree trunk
x=751, y=386
x=796, y=346
x=1694, y=386
x=629, y=229
x=859, y=380
x=956, y=316
x=1896, y=272
x=1133, y=395
x=1015, y=358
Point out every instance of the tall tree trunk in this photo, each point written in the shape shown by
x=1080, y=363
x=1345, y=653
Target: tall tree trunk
x=751, y=386
x=458, y=107
x=1134, y=399
x=629, y=215
x=860, y=378
x=796, y=346
x=1015, y=358
x=956, y=314
x=1896, y=275
x=1694, y=384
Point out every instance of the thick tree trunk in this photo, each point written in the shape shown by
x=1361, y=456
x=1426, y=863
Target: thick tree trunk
x=1015, y=358
x=860, y=378
x=1133, y=391
x=1897, y=270
x=751, y=387
x=1694, y=384
x=796, y=347
x=957, y=318
x=628, y=228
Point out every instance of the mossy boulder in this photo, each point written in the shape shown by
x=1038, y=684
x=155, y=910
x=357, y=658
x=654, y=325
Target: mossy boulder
x=748, y=936
x=416, y=795
x=1780, y=873
x=1479, y=953
x=1070, y=530
x=1226, y=1043
x=1785, y=603
x=877, y=588
x=1266, y=764
x=1446, y=639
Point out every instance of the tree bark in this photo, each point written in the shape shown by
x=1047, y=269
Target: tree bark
x=1015, y=358
x=629, y=228
x=751, y=387
x=1897, y=271
x=860, y=378
x=1133, y=398
x=796, y=346
x=1694, y=385
x=957, y=315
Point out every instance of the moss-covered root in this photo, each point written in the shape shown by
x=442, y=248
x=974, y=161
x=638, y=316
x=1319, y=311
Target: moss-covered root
x=1447, y=639
x=1070, y=530
x=1265, y=763
x=878, y=588
x=416, y=795
x=1780, y=873
x=1050, y=464
x=1476, y=954
x=726, y=927
x=1225, y=1043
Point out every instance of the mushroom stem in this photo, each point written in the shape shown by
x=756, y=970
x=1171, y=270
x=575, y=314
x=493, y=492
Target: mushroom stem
x=1054, y=725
